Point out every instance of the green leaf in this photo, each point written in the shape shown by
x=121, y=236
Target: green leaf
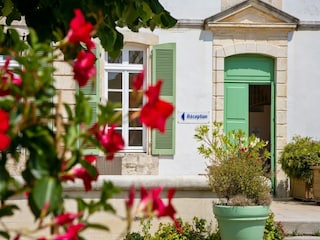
x=4, y=183
x=7, y=8
x=107, y=191
x=4, y=234
x=47, y=190
x=33, y=37
x=90, y=169
x=71, y=136
x=83, y=110
x=82, y=205
x=155, y=6
x=69, y=111
x=14, y=15
x=167, y=20
x=97, y=226
x=94, y=207
x=8, y=210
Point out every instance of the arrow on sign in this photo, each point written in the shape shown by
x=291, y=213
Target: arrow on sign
x=182, y=116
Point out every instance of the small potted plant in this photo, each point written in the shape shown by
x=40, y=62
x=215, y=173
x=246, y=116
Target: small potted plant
x=237, y=173
x=296, y=160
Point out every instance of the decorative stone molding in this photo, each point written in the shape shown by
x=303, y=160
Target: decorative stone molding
x=252, y=14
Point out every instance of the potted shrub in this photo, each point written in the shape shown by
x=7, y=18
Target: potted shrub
x=236, y=172
x=296, y=160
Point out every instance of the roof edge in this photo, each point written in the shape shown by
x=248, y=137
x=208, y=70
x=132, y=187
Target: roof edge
x=256, y=3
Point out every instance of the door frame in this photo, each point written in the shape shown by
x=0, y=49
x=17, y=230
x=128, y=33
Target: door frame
x=254, y=69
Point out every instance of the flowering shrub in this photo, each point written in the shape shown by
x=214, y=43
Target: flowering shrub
x=54, y=147
x=298, y=156
x=198, y=229
x=236, y=170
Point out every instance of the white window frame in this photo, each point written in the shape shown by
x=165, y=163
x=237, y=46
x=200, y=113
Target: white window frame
x=13, y=63
x=125, y=68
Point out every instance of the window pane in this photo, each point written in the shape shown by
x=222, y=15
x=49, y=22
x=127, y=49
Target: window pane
x=117, y=117
x=115, y=60
x=136, y=57
x=134, y=119
x=3, y=57
x=114, y=80
x=115, y=97
x=135, y=100
x=131, y=77
x=135, y=137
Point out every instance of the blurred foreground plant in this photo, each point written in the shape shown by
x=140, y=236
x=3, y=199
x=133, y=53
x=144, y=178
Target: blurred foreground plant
x=31, y=122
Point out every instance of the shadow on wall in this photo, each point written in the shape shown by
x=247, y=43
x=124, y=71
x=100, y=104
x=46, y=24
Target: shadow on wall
x=206, y=36
x=282, y=190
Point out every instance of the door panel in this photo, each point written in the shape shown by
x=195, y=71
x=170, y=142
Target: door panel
x=236, y=106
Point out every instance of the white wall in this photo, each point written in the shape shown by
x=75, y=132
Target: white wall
x=194, y=77
x=194, y=94
x=191, y=9
x=304, y=84
x=305, y=10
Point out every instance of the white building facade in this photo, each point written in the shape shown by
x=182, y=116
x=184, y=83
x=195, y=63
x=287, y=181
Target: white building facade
x=268, y=49
x=249, y=64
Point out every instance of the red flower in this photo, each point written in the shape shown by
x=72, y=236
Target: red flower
x=243, y=149
x=156, y=111
x=112, y=141
x=71, y=233
x=80, y=30
x=66, y=218
x=84, y=68
x=8, y=78
x=81, y=173
x=4, y=126
x=4, y=121
x=153, y=92
x=169, y=210
x=90, y=158
x=137, y=82
x=151, y=204
x=17, y=237
x=4, y=141
x=129, y=202
x=151, y=201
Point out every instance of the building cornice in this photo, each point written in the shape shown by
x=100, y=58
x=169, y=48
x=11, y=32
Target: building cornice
x=189, y=23
x=308, y=26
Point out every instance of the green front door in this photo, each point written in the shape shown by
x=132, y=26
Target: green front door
x=247, y=78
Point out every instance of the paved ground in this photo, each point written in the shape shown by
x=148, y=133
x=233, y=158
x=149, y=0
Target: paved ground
x=298, y=218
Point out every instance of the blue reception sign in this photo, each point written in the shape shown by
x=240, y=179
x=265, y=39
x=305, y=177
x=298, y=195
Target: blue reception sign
x=193, y=117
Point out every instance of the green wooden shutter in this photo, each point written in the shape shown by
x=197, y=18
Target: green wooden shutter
x=164, y=67
x=92, y=92
x=236, y=105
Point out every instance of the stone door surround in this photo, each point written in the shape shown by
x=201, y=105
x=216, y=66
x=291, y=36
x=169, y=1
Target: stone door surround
x=255, y=27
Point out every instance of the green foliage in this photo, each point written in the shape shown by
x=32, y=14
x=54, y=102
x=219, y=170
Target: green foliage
x=237, y=165
x=199, y=229
x=273, y=230
x=51, y=19
x=31, y=118
x=134, y=236
x=298, y=156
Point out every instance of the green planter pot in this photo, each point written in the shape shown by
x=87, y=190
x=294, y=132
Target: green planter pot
x=241, y=223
